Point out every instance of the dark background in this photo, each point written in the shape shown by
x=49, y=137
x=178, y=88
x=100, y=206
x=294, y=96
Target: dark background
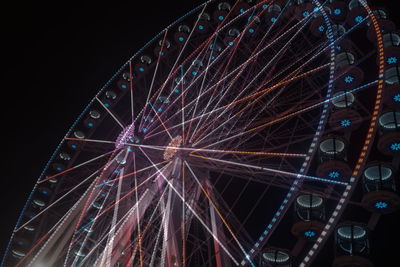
x=55, y=57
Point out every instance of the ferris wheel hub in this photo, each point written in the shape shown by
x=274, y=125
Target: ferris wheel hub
x=172, y=147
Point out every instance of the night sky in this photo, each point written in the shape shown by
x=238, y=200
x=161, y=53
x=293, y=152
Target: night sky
x=56, y=57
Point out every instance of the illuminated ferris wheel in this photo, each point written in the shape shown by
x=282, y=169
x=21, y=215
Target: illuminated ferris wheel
x=238, y=136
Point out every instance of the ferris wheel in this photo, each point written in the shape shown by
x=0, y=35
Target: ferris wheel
x=240, y=135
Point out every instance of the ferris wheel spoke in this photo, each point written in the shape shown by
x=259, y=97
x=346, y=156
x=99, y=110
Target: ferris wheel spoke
x=74, y=167
x=267, y=90
x=249, y=59
x=241, y=112
x=111, y=114
x=290, y=174
x=295, y=113
x=233, y=103
x=153, y=78
x=194, y=212
x=214, y=208
x=277, y=55
x=58, y=200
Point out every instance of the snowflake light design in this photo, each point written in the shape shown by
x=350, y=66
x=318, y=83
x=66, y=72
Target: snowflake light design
x=310, y=233
x=321, y=28
x=395, y=146
x=345, y=123
x=358, y=19
x=381, y=205
x=348, y=79
x=396, y=98
x=392, y=60
x=334, y=174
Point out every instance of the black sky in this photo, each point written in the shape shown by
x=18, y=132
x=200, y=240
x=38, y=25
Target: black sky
x=56, y=56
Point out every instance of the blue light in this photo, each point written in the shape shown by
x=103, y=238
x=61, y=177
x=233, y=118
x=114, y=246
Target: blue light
x=273, y=19
x=395, y=146
x=348, y=79
x=59, y=169
x=306, y=14
x=392, y=60
x=106, y=105
x=345, y=123
x=310, y=233
x=381, y=205
x=159, y=110
x=358, y=19
x=116, y=171
x=176, y=90
x=45, y=192
x=338, y=48
x=181, y=39
x=321, y=28
x=123, y=86
x=90, y=124
x=144, y=130
x=251, y=30
x=241, y=10
x=264, y=6
x=141, y=69
x=220, y=17
x=201, y=27
x=194, y=73
x=20, y=242
x=396, y=98
x=74, y=146
x=334, y=174
x=337, y=11
x=130, y=150
x=213, y=57
x=230, y=43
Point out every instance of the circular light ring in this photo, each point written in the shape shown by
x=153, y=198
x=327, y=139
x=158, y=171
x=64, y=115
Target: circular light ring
x=29, y=228
x=392, y=75
x=276, y=256
x=111, y=95
x=391, y=39
x=65, y=156
x=18, y=253
x=349, y=231
x=39, y=203
x=378, y=172
x=390, y=120
x=97, y=205
x=145, y=59
x=332, y=146
x=79, y=253
x=309, y=201
x=344, y=59
x=79, y=134
x=342, y=99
